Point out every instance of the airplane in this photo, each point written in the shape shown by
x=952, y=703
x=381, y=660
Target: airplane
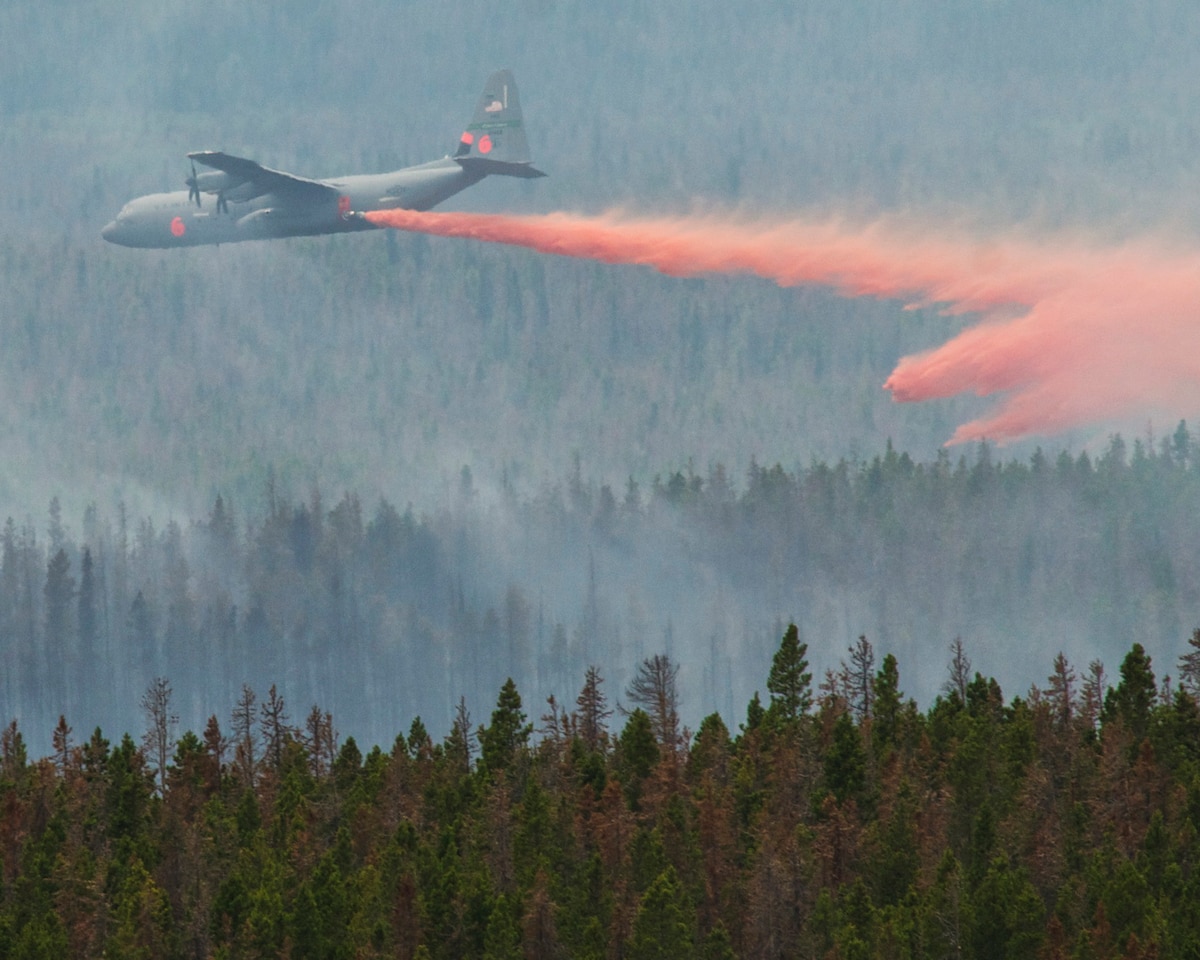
x=253, y=202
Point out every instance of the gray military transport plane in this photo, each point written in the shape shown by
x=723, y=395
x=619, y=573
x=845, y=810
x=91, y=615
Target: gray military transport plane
x=252, y=202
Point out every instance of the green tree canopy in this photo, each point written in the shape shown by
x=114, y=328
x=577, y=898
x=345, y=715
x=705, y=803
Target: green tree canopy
x=507, y=733
x=790, y=682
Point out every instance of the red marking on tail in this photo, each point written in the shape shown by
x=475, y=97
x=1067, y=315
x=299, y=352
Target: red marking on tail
x=1070, y=334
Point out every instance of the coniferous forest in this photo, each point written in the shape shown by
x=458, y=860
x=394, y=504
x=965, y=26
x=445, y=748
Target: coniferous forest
x=388, y=596
x=835, y=820
x=380, y=613
x=603, y=799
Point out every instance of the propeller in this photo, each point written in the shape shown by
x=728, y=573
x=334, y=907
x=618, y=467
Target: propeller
x=193, y=186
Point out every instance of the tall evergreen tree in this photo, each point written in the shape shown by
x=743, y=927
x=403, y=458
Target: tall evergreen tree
x=244, y=716
x=508, y=731
x=86, y=620
x=141, y=632
x=845, y=760
x=275, y=729
x=1189, y=666
x=1062, y=690
x=593, y=710
x=1133, y=698
x=889, y=701
x=661, y=927
x=790, y=682
x=59, y=592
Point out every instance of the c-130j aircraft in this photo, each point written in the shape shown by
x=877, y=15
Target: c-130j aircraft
x=253, y=202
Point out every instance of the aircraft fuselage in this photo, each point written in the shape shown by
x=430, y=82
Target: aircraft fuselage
x=169, y=220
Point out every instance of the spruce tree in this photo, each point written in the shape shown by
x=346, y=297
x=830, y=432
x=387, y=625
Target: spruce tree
x=1189, y=667
x=889, y=700
x=661, y=930
x=593, y=710
x=1134, y=696
x=789, y=682
x=507, y=732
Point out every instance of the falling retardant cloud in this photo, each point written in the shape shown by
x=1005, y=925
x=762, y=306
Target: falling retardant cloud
x=1067, y=334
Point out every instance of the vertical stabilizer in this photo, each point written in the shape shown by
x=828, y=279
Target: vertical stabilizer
x=494, y=141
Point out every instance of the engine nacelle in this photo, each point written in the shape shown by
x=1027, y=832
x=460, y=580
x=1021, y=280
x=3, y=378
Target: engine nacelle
x=245, y=190
x=212, y=182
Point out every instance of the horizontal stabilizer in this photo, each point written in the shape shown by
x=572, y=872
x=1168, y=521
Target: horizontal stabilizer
x=505, y=168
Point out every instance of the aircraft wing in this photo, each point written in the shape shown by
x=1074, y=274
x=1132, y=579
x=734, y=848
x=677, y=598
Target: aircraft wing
x=265, y=179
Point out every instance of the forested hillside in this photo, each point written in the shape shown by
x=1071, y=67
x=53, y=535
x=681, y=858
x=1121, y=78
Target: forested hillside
x=834, y=821
x=384, y=364
x=301, y=496
x=380, y=612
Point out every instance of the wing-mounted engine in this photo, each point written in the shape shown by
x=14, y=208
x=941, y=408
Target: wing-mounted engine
x=237, y=179
x=225, y=186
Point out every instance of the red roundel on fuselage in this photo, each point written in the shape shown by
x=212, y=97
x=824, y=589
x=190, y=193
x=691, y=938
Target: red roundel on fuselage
x=178, y=227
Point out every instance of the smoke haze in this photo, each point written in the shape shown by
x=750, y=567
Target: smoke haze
x=1070, y=335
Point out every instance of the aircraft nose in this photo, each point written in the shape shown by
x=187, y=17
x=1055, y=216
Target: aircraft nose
x=109, y=231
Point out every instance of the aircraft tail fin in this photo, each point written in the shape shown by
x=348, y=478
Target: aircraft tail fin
x=494, y=141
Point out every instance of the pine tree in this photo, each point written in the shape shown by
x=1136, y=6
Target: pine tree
x=653, y=689
x=1009, y=916
x=159, y=739
x=661, y=927
x=959, y=671
x=790, y=682
x=502, y=939
x=1133, y=698
x=755, y=714
x=1092, y=697
x=593, y=710
x=716, y=945
x=857, y=677
x=508, y=731
x=845, y=760
x=275, y=729
x=539, y=930
x=62, y=743
x=141, y=631
x=637, y=751
x=13, y=756
x=419, y=742
x=889, y=701
x=215, y=745
x=59, y=593
x=86, y=621
x=244, y=716
x=458, y=743
x=1062, y=691
x=1189, y=667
